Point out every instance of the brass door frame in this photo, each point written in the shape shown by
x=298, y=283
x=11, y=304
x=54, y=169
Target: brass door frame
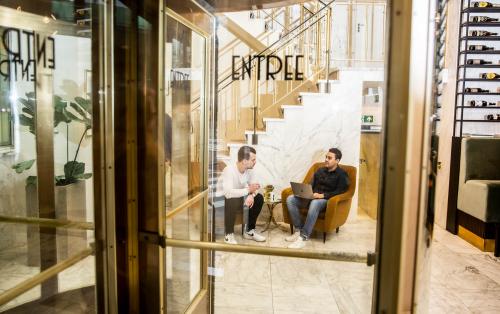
x=389, y=290
x=103, y=159
x=201, y=301
x=405, y=152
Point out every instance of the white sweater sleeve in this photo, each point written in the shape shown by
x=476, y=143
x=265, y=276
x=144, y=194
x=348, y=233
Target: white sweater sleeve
x=228, y=185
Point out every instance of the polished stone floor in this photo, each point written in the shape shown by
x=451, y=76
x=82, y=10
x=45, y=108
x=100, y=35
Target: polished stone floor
x=264, y=284
x=463, y=279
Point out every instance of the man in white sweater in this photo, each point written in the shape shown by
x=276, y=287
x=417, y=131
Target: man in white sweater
x=241, y=189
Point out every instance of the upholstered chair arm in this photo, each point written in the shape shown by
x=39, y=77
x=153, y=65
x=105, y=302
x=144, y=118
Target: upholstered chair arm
x=337, y=210
x=284, y=194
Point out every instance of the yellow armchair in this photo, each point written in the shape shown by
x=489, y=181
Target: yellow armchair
x=337, y=208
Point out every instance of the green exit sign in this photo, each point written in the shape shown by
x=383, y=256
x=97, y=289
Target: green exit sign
x=367, y=118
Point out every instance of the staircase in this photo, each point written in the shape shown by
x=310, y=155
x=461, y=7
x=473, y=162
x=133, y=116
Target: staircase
x=246, y=106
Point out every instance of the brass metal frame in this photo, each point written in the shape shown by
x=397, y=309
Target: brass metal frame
x=45, y=275
x=184, y=21
x=273, y=251
x=405, y=155
x=186, y=204
x=161, y=151
x=206, y=100
x=199, y=301
x=107, y=158
x=46, y=222
x=44, y=89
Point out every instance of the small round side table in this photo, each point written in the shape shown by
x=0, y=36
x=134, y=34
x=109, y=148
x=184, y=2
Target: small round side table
x=270, y=206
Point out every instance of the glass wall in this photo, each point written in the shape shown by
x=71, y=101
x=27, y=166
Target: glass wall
x=48, y=63
x=185, y=104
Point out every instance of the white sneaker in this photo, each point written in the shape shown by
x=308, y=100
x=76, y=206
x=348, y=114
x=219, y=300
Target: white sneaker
x=298, y=244
x=293, y=237
x=229, y=239
x=253, y=235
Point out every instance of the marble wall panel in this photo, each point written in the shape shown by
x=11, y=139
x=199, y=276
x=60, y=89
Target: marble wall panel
x=290, y=146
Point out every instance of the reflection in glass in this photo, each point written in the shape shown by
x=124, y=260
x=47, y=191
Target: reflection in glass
x=56, y=36
x=184, y=131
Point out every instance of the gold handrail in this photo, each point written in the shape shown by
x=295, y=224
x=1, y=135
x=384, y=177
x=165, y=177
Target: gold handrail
x=188, y=203
x=34, y=281
x=274, y=251
x=56, y=223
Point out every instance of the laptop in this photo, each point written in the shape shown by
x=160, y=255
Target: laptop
x=302, y=190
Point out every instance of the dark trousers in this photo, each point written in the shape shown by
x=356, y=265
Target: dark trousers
x=233, y=205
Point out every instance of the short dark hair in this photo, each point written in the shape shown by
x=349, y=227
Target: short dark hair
x=244, y=152
x=337, y=152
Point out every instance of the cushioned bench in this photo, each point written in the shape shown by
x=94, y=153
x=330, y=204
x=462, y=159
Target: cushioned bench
x=479, y=185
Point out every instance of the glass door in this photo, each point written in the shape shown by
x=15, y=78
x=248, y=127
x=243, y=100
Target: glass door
x=203, y=273
x=51, y=79
x=186, y=51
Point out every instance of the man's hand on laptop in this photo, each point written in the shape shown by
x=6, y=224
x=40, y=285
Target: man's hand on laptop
x=249, y=201
x=317, y=195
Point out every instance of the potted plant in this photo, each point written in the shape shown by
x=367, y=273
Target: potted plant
x=73, y=169
x=70, y=191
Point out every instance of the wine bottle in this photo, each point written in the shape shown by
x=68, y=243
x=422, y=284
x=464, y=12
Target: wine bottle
x=480, y=47
x=482, y=19
x=484, y=4
x=480, y=103
x=489, y=76
x=476, y=90
x=478, y=61
x=482, y=33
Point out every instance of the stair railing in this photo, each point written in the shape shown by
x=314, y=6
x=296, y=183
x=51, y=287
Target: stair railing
x=243, y=105
x=316, y=66
x=266, y=37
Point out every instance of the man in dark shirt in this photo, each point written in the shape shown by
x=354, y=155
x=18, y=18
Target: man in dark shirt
x=327, y=182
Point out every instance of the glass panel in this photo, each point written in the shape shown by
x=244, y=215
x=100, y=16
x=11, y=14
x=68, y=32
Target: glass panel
x=5, y=102
x=183, y=265
x=298, y=123
x=184, y=146
x=56, y=37
x=185, y=59
x=75, y=284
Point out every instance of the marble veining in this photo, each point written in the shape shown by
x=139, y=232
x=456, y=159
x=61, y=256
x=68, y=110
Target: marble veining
x=290, y=146
x=462, y=280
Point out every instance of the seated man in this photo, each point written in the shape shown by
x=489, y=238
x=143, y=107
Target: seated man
x=240, y=189
x=327, y=182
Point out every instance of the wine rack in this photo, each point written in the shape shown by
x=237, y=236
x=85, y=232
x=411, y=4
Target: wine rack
x=468, y=75
x=473, y=120
x=439, y=64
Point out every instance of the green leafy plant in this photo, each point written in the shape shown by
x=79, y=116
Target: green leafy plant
x=73, y=169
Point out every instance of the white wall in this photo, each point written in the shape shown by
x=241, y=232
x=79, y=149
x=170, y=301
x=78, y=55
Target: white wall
x=289, y=147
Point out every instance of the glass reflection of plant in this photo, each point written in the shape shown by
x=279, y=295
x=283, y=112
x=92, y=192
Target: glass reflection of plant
x=73, y=169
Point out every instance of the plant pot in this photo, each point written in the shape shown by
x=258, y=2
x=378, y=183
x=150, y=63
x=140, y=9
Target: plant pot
x=70, y=204
x=70, y=201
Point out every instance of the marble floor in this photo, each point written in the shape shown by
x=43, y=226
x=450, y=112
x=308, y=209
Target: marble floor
x=265, y=284
x=14, y=269
x=463, y=279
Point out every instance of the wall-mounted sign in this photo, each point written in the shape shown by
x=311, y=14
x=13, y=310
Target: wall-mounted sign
x=268, y=67
x=367, y=118
x=24, y=49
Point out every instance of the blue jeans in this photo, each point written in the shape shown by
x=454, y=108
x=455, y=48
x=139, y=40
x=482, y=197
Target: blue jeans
x=316, y=206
